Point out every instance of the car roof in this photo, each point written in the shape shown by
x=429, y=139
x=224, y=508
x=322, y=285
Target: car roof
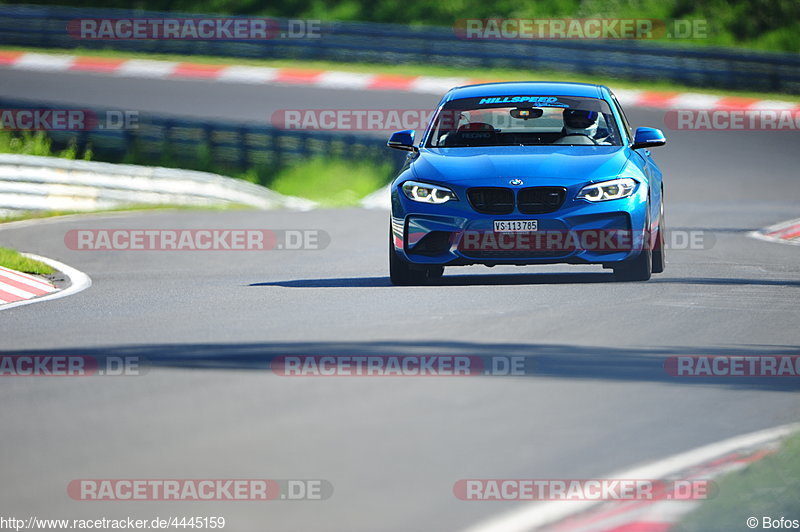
x=516, y=88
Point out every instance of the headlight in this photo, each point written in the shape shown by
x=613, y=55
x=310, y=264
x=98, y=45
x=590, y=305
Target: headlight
x=608, y=190
x=427, y=193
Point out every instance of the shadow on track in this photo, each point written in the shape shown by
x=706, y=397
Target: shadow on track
x=541, y=360
x=522, y=279
x=453, y=280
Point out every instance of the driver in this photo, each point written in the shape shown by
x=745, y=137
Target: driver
x=580, y=122
x=580, y=127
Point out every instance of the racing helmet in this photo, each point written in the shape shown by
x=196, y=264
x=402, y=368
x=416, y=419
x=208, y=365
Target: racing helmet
x=580, y=122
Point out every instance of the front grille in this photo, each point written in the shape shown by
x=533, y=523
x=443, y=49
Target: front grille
x=540, y=200
x=492, y=200
x=531, y=200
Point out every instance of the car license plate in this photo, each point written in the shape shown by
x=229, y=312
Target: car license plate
x=515, y=226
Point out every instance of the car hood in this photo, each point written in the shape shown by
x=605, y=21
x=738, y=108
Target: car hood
x=535, y=165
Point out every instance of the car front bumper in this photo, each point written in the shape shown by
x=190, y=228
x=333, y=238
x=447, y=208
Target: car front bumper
x=580, y=232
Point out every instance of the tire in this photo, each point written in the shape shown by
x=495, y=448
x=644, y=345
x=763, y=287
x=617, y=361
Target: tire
x=402, y=274
x=659, y=251
x=435, y=272
x=640, y=268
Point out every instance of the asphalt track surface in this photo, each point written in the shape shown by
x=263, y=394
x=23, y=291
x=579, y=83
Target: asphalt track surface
x=598, y=401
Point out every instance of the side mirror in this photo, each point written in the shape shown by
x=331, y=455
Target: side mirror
x=402, y=140
x=648, y=137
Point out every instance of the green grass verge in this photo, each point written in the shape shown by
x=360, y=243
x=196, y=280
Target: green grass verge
x=408, y=69
x=769, y=487
x=331, y=182
x=14, y=260
x=28, y=143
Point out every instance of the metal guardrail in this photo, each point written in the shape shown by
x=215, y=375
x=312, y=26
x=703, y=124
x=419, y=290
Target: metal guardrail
x=45, y=26
x=229, y=146
x=31, y=183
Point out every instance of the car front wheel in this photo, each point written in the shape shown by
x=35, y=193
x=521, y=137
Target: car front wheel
x=640, y=268
x=659, y=252
x=403, y=274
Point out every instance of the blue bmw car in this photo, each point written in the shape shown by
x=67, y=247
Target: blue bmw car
x=526, y=173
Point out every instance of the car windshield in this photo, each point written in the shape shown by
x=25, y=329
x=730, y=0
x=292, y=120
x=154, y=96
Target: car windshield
x=524, y=121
